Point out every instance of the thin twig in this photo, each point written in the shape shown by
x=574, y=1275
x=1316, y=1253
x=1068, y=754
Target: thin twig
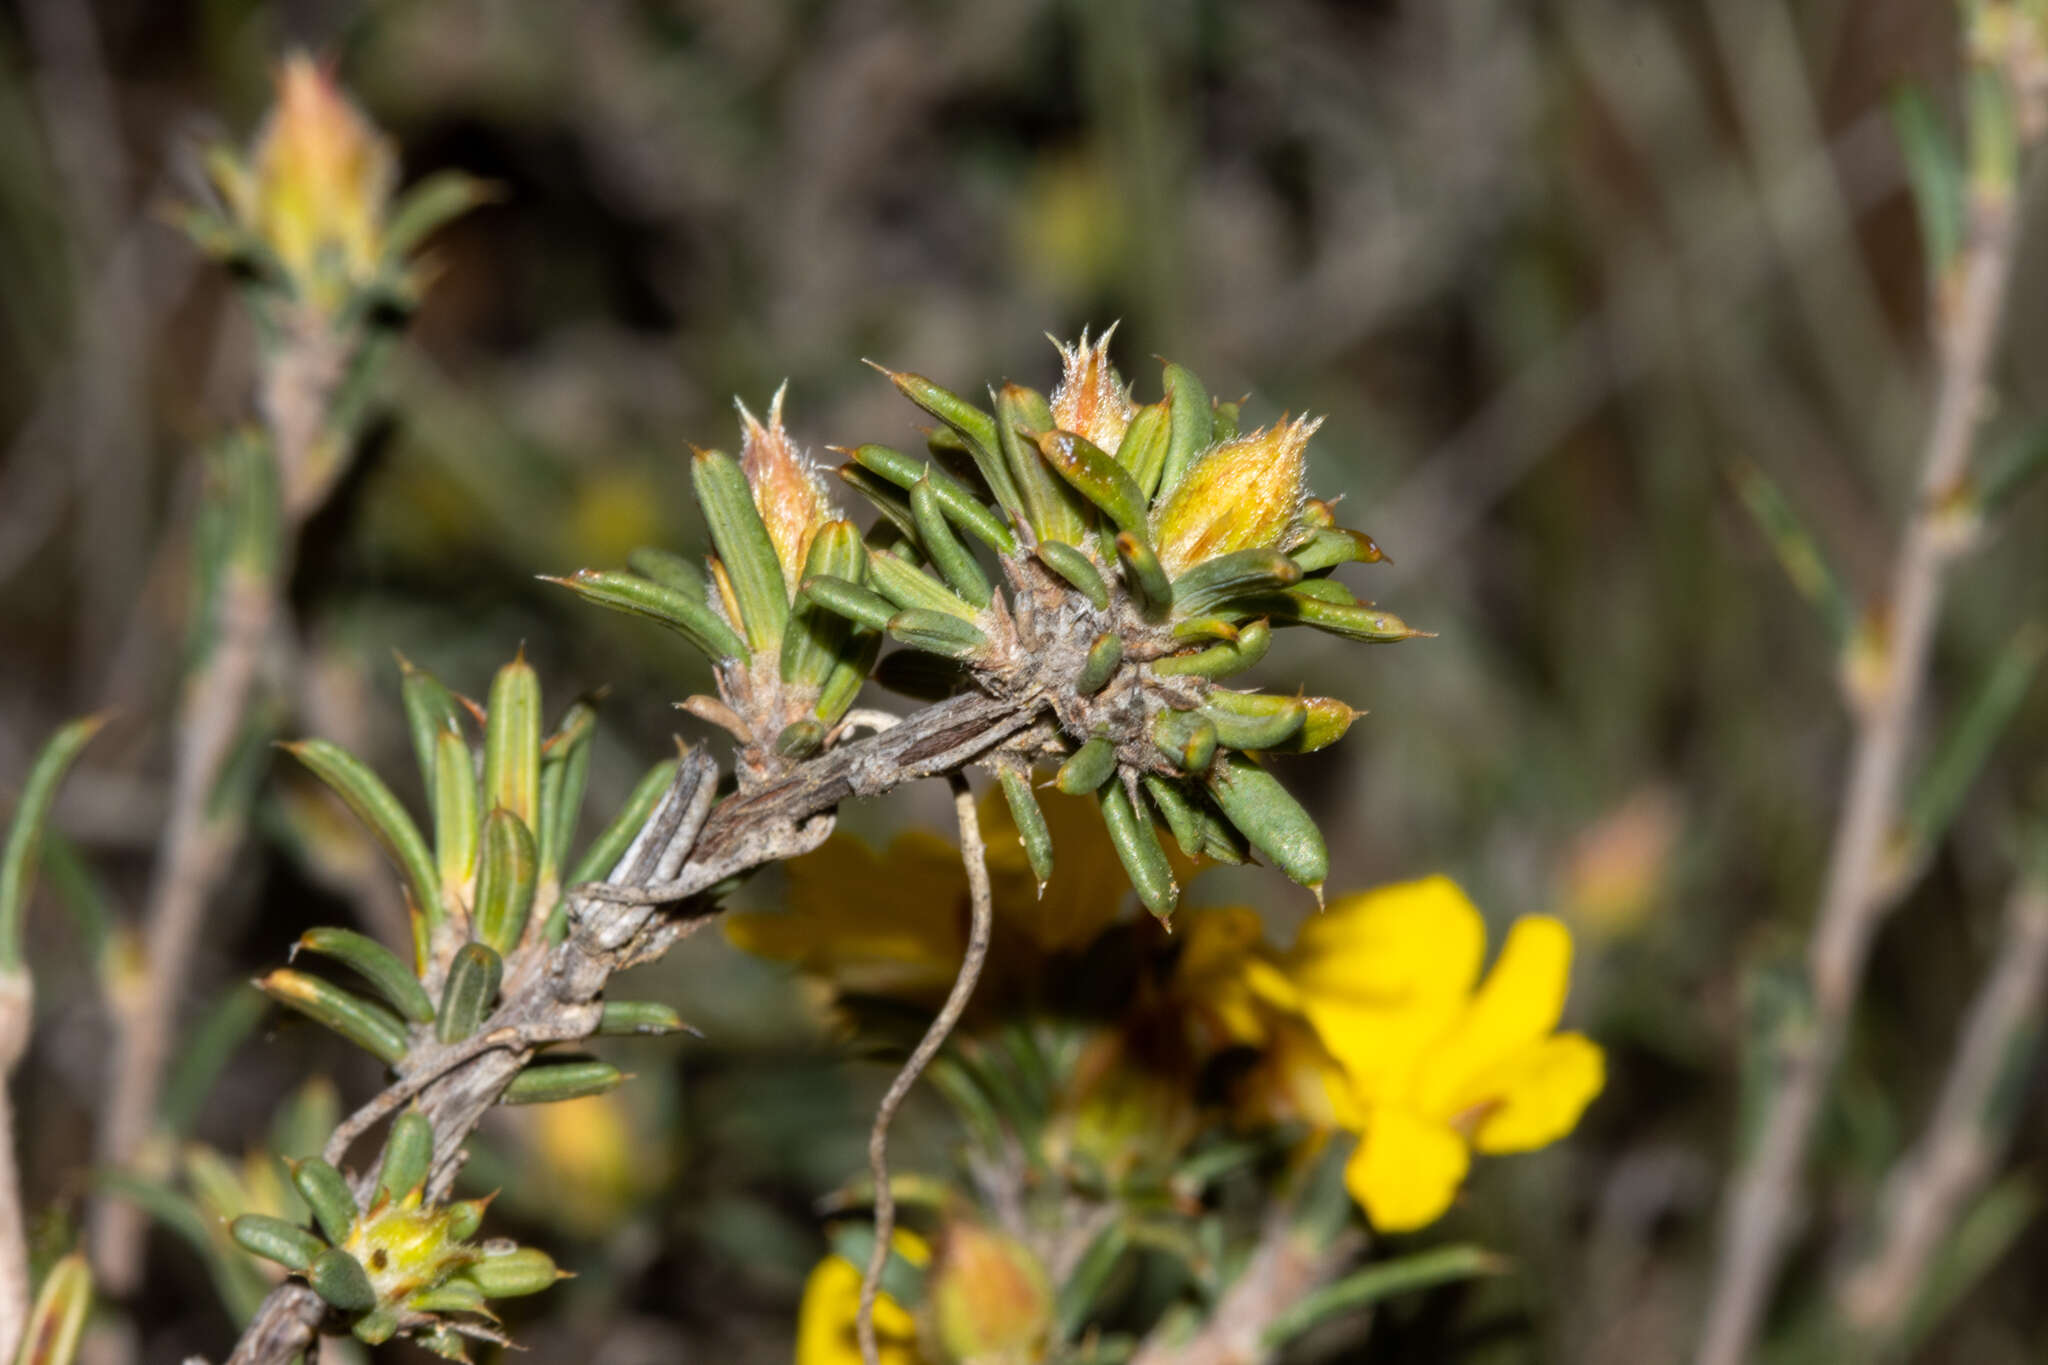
x=1855, y=896
x=1928, y=1189
x=17, y=1012
x=974, y=856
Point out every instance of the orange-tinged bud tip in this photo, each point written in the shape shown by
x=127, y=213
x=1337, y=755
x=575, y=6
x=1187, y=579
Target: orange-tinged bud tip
x=1091, y=399
x=321, y=177
x=787, y=491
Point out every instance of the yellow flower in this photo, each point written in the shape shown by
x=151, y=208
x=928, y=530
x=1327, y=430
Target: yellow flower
x=1214, y=979
x=895, y=922
x=1244, y=494
x=825, y=1331
x=891, y=923
x=320, y=179
x=1433, y=1068
x=1091, y=399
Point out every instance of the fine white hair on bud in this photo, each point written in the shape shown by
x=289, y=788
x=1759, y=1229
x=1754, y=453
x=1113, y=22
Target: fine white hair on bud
x=787, y=488
x=1091, y=399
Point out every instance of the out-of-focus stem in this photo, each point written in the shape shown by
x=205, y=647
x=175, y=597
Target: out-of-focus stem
x=199, y=841
x=1928, y=1189
x=17, y=999
x=1855, y=895
x=296, y=394
x=1286, y=1266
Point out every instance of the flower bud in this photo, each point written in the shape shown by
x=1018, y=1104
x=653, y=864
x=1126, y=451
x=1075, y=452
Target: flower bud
x=321, y=177
x=1243, y=494
x=991, y=1303
x=1091, y=399
x=787, y=490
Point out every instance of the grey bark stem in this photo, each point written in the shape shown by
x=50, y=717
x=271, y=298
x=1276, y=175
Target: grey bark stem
x=1927, y=1190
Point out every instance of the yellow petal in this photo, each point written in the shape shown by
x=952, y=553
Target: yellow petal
x=1218, y=951
x=889, y=922
x=1244, y=494
x=1295, y=1080
x=1406, y=1170
x=825, y=1331
x=1541, y=1094
x=1383, y=974
x=1519, y=1003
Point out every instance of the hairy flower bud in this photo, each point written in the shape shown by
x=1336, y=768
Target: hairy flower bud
x=1243, y=494
x=1091, y=400
x=787, y=489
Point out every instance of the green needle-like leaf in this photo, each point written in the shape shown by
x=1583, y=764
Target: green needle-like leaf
x=693, y=620
x=376, y=964
x=610, y=846
x=25, y=834
x=512, y=742
x=369, y=1026
x=365, y=794
x=743, y=545
x=1379, y=1282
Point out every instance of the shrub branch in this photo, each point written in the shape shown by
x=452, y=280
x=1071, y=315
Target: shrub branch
x=621, y=923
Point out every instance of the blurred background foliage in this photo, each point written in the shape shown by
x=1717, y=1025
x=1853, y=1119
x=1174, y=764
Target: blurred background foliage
x=1560, y=273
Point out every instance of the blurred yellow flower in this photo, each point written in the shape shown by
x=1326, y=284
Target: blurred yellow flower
x=990, y=1300
x=895, y=922
x=1615, y=871
x=825, y=1332
x=1434, y=1063
x=892, y=922
x=587, y=1154
x=318, y=184
x=613, y=512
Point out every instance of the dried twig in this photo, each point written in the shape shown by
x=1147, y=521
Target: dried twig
x=973, y=855
x=1928, y=1189
x=1856, y=895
